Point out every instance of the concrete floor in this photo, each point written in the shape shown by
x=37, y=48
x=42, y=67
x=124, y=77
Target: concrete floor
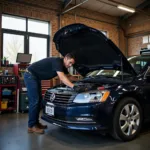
x=13, y=135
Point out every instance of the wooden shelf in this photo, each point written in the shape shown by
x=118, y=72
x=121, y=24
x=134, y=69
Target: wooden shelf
x=9, y=101
x=8, y=109
x=12, y=99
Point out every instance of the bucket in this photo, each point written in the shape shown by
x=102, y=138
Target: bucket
x=4, y=104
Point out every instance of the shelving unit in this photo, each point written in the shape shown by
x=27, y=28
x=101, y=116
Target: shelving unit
x=8, y=100
x=19, y=70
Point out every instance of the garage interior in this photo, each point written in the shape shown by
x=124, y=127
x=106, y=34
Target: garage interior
x=130, y=31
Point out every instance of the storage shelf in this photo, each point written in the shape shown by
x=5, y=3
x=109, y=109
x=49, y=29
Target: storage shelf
x=8, y=95
x=8, y=109
x=10, y=85
x=8, y=92
x=9, y=101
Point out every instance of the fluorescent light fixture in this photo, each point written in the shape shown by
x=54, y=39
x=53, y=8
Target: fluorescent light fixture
x=132, y=10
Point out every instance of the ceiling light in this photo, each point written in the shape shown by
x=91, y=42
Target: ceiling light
x=132, y=10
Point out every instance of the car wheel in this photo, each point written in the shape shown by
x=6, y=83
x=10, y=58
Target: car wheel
x=127, y=119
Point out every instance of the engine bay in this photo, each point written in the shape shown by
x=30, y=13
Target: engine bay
x=91, y=83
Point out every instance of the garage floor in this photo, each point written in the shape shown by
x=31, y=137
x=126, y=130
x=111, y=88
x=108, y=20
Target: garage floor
x=13, y=135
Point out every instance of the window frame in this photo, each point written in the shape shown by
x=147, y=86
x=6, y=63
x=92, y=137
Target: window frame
x=26, y=35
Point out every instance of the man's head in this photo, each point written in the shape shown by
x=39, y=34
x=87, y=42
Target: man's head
x=69, y=60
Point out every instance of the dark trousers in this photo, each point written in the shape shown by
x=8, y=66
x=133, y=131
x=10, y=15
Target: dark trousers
x=35, y=98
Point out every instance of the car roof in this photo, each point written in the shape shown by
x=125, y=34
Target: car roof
x=145, y=52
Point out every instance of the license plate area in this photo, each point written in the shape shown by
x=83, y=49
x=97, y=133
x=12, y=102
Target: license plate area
x=50, y=109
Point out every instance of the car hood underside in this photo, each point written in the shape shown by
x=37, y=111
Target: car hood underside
x=92, y=49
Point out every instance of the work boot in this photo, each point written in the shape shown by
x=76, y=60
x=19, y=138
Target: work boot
x=35, y=129
x=41, y=126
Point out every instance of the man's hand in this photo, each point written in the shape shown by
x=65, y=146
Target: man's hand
x=64, y=79
x=80, y=89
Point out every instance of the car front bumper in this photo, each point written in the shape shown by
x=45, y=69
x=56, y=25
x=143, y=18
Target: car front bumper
x=79, y=117
x=74, y=126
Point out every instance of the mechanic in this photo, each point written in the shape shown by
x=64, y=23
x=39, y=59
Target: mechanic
x=45, y=69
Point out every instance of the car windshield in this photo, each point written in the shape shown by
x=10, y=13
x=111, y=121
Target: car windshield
x=137, y=62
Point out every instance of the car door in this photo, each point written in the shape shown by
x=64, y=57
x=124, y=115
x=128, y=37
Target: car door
x=146, y=93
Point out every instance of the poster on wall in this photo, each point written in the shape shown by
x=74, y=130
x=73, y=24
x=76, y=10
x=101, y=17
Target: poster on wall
x=145, y=39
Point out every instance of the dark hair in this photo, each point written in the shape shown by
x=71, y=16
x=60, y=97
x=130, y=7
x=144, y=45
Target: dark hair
x=70, y=55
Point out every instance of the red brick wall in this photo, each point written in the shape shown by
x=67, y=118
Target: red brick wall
x=112, y=30
x=137, y=26
x=137, y=23
x=135, y=44
x=35, y=9
x=95, y=20
x=48, y=9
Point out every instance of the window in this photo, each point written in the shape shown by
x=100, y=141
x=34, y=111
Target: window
x=37, y=44
x=12, y=44
x=13, y=23
x=37, y=26
x=24, y=35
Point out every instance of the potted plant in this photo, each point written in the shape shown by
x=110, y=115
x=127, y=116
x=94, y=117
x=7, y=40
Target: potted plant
x=7, y=61
x=4, y=61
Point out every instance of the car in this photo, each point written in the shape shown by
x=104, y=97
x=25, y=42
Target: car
x=116, y=99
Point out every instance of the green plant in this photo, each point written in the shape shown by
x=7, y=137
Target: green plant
x=4, y=58
x=4, y=61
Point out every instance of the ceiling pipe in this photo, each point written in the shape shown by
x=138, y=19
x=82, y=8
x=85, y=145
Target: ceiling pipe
x=74, y=7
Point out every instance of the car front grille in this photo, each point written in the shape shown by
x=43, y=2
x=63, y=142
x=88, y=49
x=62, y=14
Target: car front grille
x=59, y=98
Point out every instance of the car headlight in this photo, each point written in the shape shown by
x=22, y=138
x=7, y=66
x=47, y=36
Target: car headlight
x=91, y=97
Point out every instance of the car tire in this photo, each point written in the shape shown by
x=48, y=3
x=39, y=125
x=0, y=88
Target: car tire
x=127, y=119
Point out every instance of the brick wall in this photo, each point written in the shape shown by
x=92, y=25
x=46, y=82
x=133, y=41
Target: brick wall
x=135, y=44
x=37, y=10
x=112, y=30
x=48, y=10
x=95, y=20
x=137, y=26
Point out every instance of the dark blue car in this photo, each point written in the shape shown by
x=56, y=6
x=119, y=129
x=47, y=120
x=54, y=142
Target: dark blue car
x=118, y=96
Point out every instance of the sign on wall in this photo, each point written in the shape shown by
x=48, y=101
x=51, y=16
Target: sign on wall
x=145, y=39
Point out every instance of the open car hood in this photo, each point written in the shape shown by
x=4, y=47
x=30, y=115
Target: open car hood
x=92, y=49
